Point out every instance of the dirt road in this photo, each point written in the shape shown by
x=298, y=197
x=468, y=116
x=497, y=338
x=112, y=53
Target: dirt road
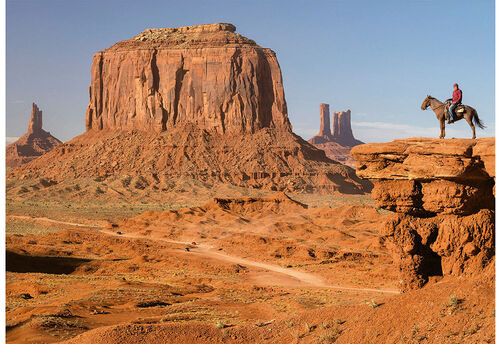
x=207, y=251
x=304, y=277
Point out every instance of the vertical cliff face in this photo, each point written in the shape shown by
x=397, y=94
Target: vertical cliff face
x=342, y=131
x=204, y=74
x=324, y=113
x=35, y=123
x=31, y=145
x=442, y=193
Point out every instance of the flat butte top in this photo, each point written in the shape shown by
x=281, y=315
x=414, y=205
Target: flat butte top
x=197, y=36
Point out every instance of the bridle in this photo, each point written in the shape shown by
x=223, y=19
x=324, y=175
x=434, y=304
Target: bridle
x=430, y=105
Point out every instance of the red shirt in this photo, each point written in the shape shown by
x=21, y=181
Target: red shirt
x=457, y=96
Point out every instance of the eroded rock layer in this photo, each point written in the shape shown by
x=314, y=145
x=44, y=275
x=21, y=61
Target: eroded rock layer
x=443, y=194
x=268, y=159
x=203, y=74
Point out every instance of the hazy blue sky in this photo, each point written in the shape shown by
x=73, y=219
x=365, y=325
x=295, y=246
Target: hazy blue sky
x=378, y=58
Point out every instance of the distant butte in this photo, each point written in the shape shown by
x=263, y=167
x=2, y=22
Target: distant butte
x=31, y=145
x=337, y=144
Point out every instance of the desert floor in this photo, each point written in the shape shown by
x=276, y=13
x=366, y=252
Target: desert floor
x=252, y=263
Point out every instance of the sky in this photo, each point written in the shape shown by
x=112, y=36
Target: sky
x=378, y=58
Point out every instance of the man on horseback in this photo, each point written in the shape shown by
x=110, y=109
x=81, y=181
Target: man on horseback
x=463, y=112
x=455, y=101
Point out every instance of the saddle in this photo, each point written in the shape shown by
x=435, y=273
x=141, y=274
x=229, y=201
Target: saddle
x=458, y=109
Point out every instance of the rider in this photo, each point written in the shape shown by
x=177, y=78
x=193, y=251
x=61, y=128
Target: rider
x=456, y=100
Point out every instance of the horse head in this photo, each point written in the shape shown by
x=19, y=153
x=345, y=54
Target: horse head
x=426, y=103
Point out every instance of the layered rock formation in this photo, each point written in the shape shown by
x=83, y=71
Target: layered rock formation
x=200, y=103
x=204, y=74
x=443, y=194
x=31, y=145
x=337, y=146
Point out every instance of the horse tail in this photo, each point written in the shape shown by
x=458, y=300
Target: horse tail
x=476, y=120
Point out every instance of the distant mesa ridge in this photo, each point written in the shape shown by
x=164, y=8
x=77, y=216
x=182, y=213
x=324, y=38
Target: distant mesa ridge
x=31, y=145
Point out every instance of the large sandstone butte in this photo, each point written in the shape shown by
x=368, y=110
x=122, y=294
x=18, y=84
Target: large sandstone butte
x=198, y=102
x=31, y=145
x=443, y=194
x=337, y=144
x=205, y=74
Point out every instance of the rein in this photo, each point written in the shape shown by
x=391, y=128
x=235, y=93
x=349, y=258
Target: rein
x=437, y=107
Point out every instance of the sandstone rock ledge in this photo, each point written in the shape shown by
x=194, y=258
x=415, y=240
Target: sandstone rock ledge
x=443, y=194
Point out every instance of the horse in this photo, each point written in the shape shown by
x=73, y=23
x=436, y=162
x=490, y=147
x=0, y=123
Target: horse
x=462, y=111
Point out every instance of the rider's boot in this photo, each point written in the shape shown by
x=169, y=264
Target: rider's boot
x=448, y=120
x=452, y=118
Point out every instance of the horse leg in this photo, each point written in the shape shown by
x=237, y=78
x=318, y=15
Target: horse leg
x=469, y=120
x=442, y=125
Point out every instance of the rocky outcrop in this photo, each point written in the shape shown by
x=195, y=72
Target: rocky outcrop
x=443, y=194
x=337, y=146
x=204, y=74
x=31, y=145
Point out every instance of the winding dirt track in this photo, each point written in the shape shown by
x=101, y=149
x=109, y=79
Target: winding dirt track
x=205, y=251
x=45, y=219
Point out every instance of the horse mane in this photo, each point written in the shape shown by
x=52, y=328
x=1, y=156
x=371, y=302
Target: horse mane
x=431, y=97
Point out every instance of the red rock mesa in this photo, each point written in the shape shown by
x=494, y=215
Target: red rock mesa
x=32, y=144
x=204, y=74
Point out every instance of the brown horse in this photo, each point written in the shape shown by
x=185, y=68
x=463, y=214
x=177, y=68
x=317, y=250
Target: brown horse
x=462, y=111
